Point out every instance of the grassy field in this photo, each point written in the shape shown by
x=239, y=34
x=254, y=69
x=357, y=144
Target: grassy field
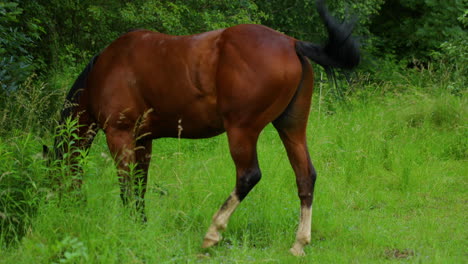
x=392, y=187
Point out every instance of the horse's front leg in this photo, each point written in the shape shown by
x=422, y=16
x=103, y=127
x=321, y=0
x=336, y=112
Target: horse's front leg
x=132, y=160
x=143, y=157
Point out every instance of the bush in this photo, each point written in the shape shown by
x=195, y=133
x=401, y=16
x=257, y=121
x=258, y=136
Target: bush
x=30, y=108
x=16, y=63
x=28, y=179
x=22, y=182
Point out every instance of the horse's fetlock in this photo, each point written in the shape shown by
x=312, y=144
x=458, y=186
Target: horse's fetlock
x=304, y=239
x=221, y=226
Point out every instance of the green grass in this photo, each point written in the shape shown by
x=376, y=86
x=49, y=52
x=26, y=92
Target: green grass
x=392, y=187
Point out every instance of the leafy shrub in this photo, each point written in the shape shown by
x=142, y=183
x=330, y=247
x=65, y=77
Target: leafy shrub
x=69, y=250
x=26, y=180
x=94, y=24
x=16, y=63
x=22, y=181
x=30, y=108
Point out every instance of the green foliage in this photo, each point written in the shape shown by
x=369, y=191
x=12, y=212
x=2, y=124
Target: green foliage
x=413, y=29
x=77, y=29
x=68, y=166
x=22, y=178
x=453, y=53
x=28, y=179
x=16, y=36
x=30, y=108
x=69, y=250
x=301, y=20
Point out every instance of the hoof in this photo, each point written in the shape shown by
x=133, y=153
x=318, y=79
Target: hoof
x=207, y=242
x=297, y=251
x=211, y=240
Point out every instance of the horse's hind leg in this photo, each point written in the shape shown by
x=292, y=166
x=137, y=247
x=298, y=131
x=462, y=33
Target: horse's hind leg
x=143, y=157
x=295, y=144
x=291, y=126
x=242, y=144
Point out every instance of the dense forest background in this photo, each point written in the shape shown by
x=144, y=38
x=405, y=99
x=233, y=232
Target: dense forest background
x=44, y=44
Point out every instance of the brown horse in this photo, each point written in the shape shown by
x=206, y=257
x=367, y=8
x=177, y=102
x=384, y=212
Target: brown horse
x=147, y=85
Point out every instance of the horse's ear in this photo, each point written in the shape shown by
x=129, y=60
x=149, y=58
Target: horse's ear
x=45, y=152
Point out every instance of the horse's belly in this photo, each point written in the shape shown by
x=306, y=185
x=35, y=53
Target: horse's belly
x=198, y=119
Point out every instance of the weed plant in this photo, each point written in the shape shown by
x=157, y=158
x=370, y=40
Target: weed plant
x=29, y=179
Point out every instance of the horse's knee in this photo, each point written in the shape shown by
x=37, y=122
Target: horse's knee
x=247, y=181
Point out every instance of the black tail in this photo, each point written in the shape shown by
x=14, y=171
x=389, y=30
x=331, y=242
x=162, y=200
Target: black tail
x=340, y=51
